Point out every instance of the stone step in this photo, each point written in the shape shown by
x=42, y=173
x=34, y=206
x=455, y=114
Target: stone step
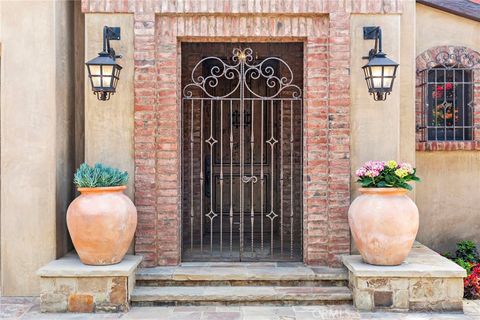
x=251, y=274
x=246, y=295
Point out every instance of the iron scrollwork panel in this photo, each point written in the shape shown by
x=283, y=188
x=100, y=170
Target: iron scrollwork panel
x=239, y=136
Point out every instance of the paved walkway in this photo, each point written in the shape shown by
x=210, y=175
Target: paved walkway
x=27, y=308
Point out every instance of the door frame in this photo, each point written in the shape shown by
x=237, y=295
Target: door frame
x=297, y=166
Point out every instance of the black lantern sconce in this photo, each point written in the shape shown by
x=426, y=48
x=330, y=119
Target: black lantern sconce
x=103, y=71
x=380, y=71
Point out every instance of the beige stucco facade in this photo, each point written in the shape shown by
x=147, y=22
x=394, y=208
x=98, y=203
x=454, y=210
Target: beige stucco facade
x=383, y=129
x=51, y=122
x=109, y=124
x=449, y=195
x=36, y=138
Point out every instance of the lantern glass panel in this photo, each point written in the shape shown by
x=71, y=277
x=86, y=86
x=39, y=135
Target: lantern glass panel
x=95, y=75
x=95, y=70
x=389, y=71
x=107, y=76
x=387, y=82
x=376, y=74
x=96, y=82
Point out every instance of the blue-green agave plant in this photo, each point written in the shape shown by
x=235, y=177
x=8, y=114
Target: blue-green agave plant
x=99, y=176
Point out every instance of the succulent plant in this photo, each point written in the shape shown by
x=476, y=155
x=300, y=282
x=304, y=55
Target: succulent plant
x=99, y=176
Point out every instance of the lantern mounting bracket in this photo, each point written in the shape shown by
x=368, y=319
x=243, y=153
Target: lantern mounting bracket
x=370, y=33
x=110, y=33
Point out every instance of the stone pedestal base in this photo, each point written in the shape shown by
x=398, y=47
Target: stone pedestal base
x=67, y=285
x=426, y=281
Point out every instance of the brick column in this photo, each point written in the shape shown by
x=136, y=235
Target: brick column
x=168, y=142
x=145, y=137
x=338, y=192
x=315, y=166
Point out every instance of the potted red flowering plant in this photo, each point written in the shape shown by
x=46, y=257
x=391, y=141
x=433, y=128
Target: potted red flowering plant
x=443, y=112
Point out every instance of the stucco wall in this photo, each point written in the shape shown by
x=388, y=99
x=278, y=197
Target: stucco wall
x=437, y=28
x=36, y=138
x=382, y=130
x=375, y=125
x=448, y=197
x=109, y=124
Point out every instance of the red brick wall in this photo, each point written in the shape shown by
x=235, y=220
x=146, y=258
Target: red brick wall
x=323, y=26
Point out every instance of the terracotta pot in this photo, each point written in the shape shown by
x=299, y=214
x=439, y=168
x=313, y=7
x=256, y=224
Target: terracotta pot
x=102, y=222
x=384, y=224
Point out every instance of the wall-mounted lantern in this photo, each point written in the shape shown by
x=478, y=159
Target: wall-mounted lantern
x=103, y=71
x=380, y=71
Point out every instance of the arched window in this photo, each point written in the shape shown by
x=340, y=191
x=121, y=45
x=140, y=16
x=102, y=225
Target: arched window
x=446, y=89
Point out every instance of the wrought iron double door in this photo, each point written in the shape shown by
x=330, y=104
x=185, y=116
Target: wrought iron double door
x=242, y=156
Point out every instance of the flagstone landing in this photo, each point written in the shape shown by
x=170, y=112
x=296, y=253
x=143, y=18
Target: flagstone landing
x=426, y=281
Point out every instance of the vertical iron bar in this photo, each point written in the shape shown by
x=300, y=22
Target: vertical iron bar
x=281, y=177
x=463, y=103
x=424, y=113
x=221, y=177
x=211, y=139
x=252, y=142
x=300, y=140
x=435, y=105
x=202, y=178
x=272, y=173
x=231, y=176
x=242, y=138
x=262, y=180
x=454, y=103
x=191, y=177
x=444, y=105
x=291, y=179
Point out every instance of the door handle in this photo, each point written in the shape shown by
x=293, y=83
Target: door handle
x=247, y=179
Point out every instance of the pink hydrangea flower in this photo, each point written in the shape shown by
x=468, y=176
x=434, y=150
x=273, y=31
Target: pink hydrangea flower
x=375, y=165
x=372, y=173
x=361, y=172
x=407, y=167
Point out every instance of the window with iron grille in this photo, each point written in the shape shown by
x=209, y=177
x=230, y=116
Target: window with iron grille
x=448, y=86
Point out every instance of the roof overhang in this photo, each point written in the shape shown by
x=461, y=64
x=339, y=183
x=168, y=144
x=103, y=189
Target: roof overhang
x=464, y=8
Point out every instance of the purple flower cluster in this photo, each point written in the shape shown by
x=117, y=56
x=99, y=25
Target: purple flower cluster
x=371, y=169
x=386, y=174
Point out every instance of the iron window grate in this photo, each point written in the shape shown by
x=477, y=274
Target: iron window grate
x=447, y=101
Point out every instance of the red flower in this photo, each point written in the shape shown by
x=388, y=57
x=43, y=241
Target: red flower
x=472, y=283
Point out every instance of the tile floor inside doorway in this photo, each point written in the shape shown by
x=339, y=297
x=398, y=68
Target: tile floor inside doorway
x=28, y=308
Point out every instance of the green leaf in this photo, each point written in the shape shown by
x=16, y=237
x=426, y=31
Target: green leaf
x=99, y=176
x=382, y=184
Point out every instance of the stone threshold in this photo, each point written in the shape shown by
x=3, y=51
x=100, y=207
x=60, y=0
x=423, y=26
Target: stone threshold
x=242, y=272
x=242, y=295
